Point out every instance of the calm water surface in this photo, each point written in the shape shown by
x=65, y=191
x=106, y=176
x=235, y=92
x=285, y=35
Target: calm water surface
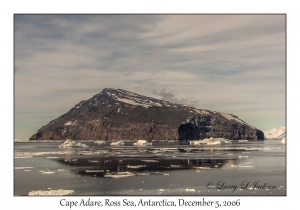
x=241, y=168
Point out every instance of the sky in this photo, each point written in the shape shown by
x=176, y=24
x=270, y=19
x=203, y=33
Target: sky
x=228, y=63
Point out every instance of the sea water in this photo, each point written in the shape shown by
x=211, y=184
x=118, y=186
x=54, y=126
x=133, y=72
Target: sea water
x=165, y=168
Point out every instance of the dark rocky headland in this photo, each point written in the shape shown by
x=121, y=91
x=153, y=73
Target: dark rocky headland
x=116, y=114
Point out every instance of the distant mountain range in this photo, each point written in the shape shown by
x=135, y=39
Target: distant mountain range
x=278, y=132
x=116, y=114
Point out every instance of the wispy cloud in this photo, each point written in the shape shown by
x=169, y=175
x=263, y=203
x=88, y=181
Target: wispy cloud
x=229, y=63
x=169, y=96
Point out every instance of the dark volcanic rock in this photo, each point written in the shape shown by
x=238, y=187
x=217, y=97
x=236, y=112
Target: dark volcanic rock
x=116, y=114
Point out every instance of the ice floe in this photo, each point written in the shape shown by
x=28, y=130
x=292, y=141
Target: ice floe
x=150, y=161
x=202, y=167
x=118, y=143
x=136, y=166
x=21, y=168
x=142, y=174
x=71, y=144
x=119, y=174
x=21, y=140
x=46, y=171
x=190, y=190
x=142, y=143
x=211, y=141
x=52, y=192
x=243, y=156
x=33, y=154
x=100, y=142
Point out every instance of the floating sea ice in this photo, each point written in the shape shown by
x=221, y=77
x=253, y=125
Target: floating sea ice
x=23, y=157
x=203, y=167
x=82, y=145
x=190, y=190
x=46, y=172
x=142, y=143
x=142, y=174
x=118, y=143
x=22, y=167
x=71, y=144
x=52, y=192
x=150, y=161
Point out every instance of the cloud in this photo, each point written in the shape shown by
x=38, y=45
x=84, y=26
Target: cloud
x=168, y=96
x=217, y=62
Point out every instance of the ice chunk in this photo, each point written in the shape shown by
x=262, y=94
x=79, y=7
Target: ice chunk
x=142, y=143
x=190, y=190
x=46, y=172
x=22, y=167
x=100, y=142
x=71, y=144
x=52, y=192
x=118, y=143
x=211, y=141
x=119, y=174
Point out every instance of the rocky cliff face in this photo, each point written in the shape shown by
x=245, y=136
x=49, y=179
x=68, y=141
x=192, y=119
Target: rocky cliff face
x=116, y=114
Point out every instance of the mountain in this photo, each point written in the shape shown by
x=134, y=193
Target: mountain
x=116, y=114
x=278, y=132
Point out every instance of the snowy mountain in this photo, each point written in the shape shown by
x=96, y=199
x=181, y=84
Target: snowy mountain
x=278, y=132
x=116, y=114
x=136, y=99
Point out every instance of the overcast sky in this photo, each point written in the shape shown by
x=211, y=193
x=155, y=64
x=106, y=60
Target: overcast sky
x=227, y=63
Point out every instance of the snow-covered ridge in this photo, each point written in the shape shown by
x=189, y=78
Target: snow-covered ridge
x=138, y=100
x=233, y=117
x=278, y=132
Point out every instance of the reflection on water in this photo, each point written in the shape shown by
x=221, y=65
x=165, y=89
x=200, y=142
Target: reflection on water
x=165, y=168
x=102, y=166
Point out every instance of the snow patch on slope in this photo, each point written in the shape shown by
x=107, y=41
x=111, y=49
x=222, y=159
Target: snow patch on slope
x=138, y=100
x=201, y=111
x=233, y=117
x=71, y=123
